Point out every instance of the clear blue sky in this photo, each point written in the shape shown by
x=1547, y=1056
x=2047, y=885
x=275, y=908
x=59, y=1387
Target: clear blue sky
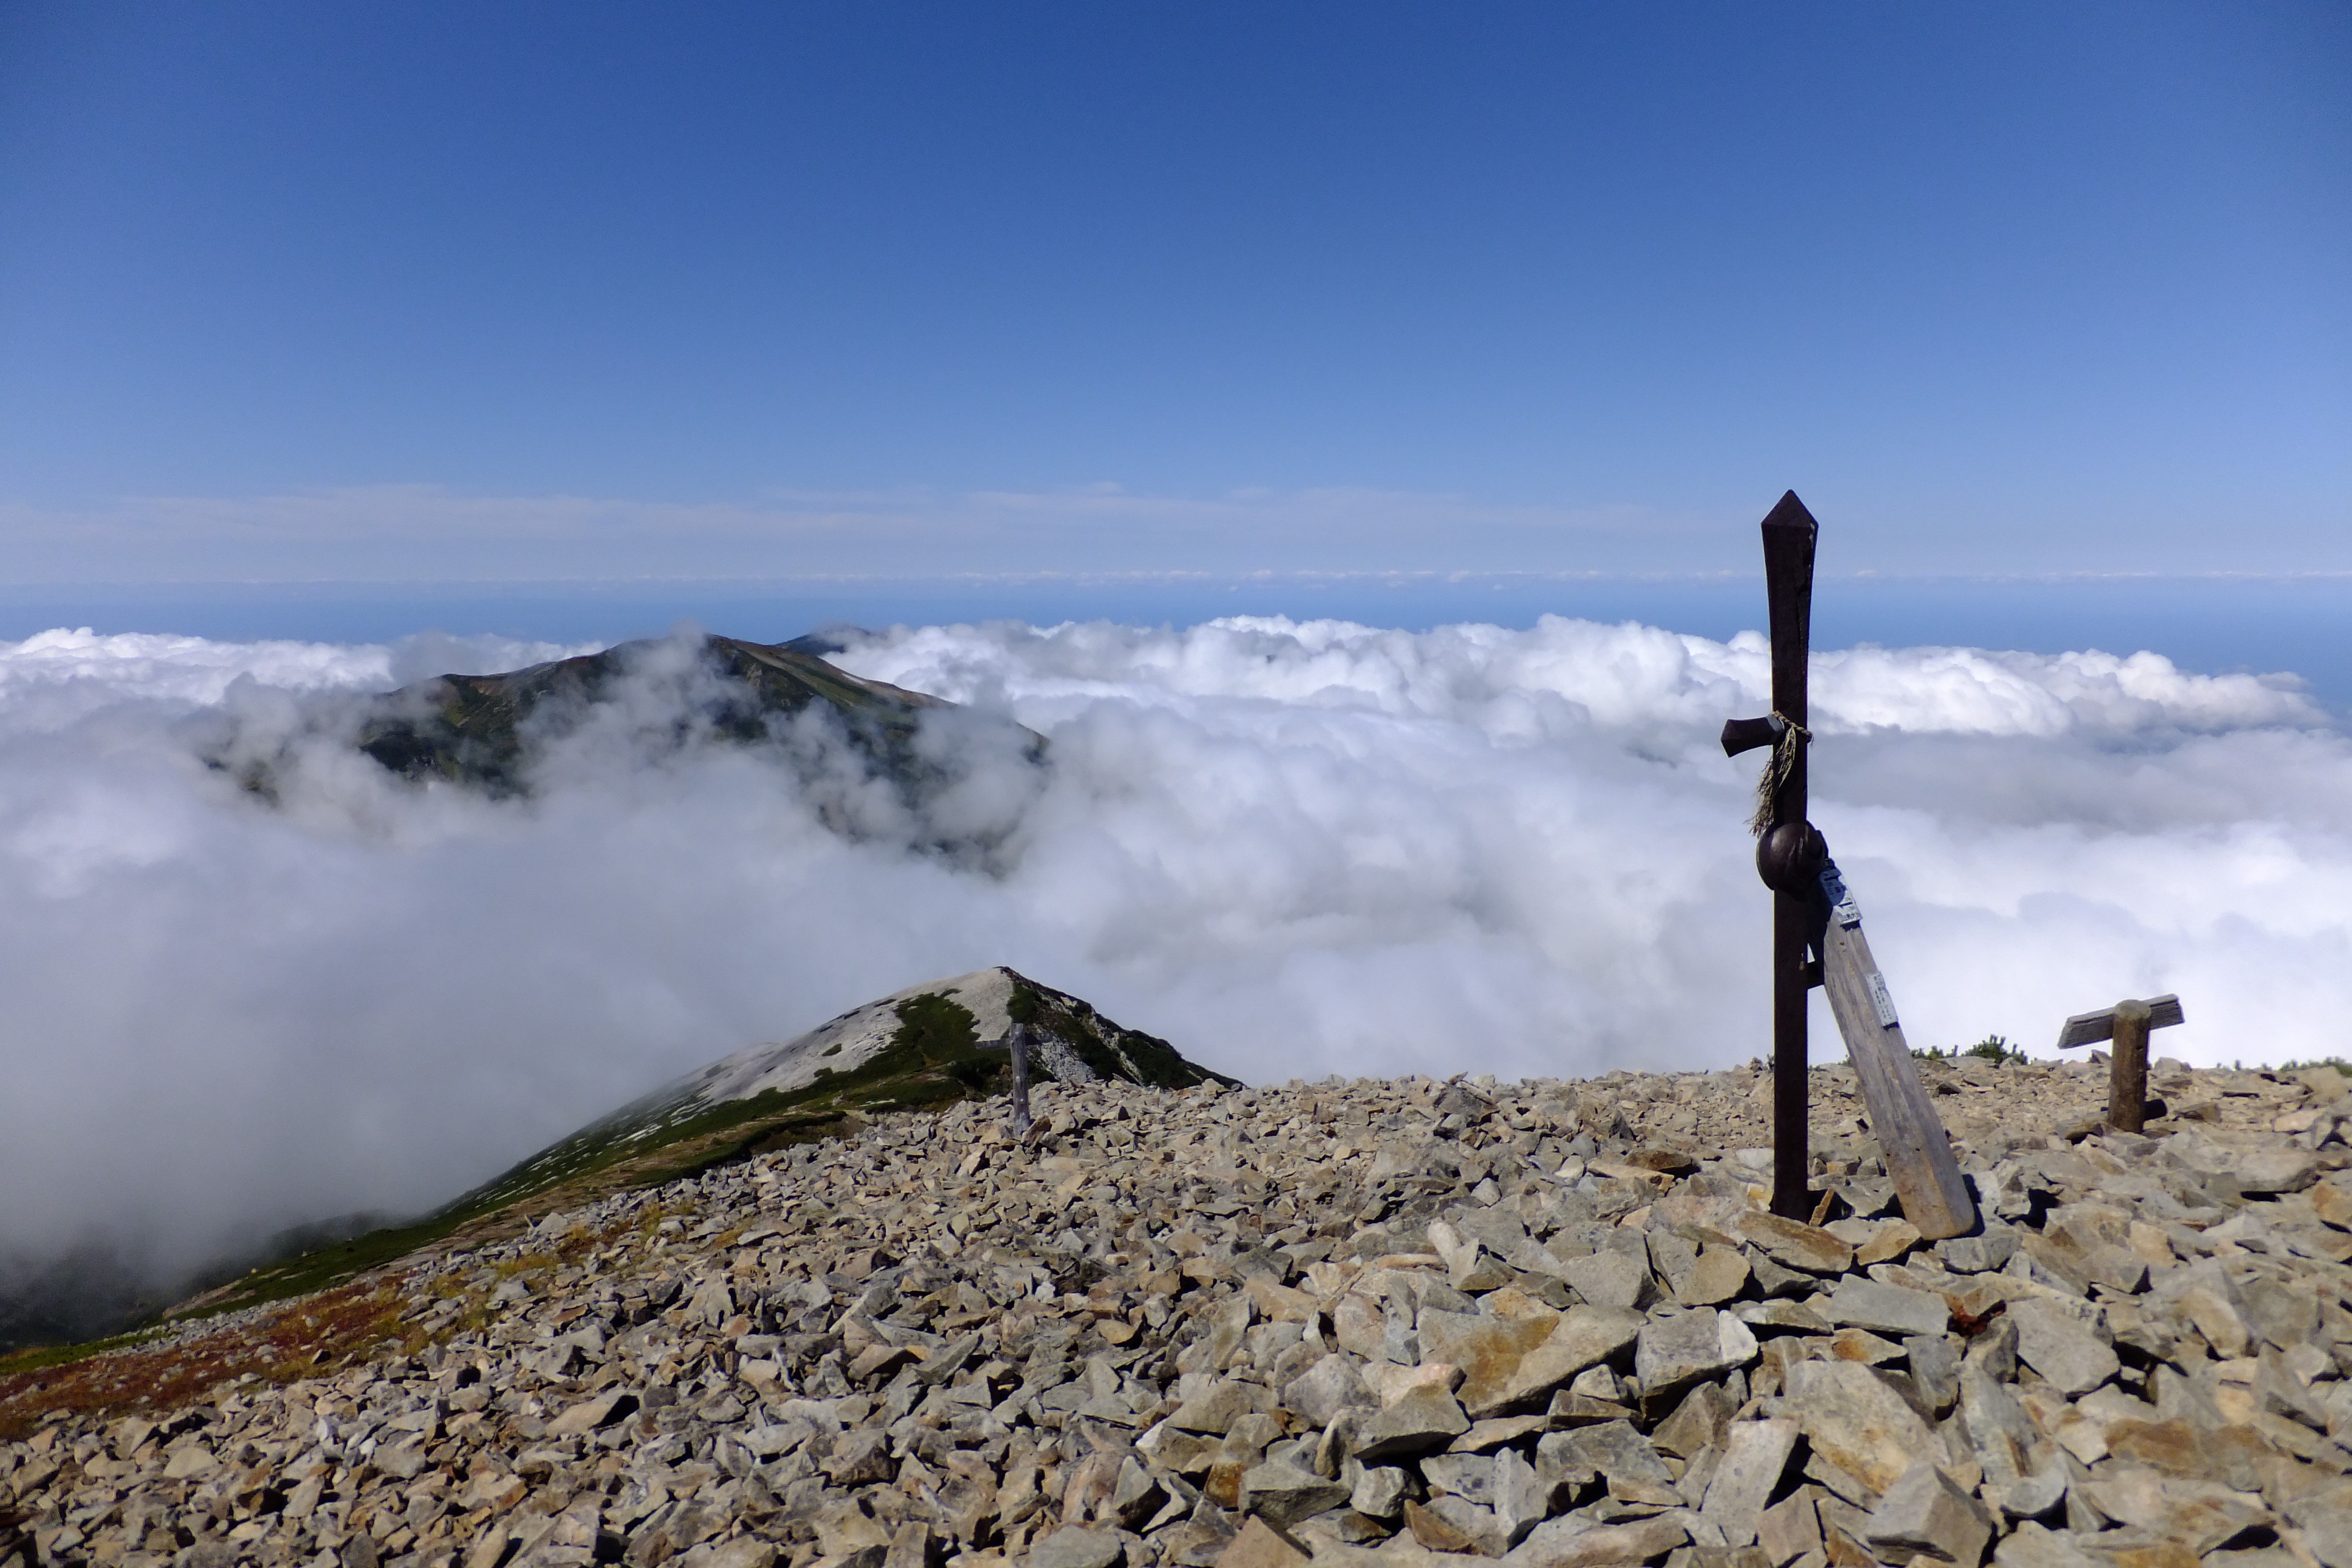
x=404, y=289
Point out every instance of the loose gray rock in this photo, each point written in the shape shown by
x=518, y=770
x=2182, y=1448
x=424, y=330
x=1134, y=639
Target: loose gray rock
x=1174, y=1324
x=1621, y=1456
x=1073, y=1548
x=1674, y=1351
x=1283, y=1493
x=1979, y=1254
x=1573, y=1543
x=1926, y=1513
x=1330, y=1385
x=1609, y=1279
x=2055, y=1343
x=1857, y=1422
x=1426, y=1418
x=1755, y=1457
x=1379, y=1492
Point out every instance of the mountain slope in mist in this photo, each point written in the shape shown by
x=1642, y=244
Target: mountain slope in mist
x=1325, y=847
x=482, y=729
x=920, y=1048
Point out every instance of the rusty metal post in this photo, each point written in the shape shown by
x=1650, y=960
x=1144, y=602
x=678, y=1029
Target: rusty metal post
x=1790, y=533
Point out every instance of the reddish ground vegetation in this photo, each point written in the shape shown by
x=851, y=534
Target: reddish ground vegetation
x=299, y=1339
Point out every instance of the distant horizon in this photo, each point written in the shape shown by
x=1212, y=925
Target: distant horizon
x=2297, y=625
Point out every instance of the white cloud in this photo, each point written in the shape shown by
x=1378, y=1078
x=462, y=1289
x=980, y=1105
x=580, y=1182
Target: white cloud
x=1289, y=848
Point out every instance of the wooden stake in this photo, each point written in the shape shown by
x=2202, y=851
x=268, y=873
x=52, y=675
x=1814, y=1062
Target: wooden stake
x=2127, y=1069
x=1021, y=1078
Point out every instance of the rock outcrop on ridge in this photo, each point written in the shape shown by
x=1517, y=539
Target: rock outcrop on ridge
x=974, y=1012
x=1367, y=1323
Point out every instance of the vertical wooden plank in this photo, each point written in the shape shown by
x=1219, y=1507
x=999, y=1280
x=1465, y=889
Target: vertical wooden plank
x=1911, y=1138
x=1790, y=533
x=1021, y=1077
x=2127, y=1067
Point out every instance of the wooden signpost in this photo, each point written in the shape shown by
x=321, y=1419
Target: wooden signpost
x=1813, y=913
x=2128, y=1024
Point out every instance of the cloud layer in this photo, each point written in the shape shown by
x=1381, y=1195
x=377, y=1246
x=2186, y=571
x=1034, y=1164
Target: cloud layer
x=1291, y=848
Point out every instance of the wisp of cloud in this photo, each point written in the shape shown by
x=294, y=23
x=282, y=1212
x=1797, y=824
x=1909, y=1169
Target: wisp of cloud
x=1292, y=850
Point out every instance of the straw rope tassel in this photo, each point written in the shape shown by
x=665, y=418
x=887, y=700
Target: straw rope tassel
x=1783, y=762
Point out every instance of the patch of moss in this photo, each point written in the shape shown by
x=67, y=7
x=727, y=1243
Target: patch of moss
x=934, y=1026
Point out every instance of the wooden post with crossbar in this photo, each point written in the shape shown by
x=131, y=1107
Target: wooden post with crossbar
x=2128, y=1024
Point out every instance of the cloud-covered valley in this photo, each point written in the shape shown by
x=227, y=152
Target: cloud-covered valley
x=1291, y=848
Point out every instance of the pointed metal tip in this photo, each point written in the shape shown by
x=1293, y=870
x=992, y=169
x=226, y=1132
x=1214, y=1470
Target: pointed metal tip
x=1789, y=512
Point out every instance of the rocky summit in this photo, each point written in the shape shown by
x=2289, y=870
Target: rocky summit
x=1369, y=1323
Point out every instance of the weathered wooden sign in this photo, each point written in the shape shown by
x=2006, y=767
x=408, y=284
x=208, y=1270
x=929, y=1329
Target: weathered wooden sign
x=1817, y=933
x=2128, y=1024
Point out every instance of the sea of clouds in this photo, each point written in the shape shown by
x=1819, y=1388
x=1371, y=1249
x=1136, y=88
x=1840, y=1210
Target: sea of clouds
x=1292, y=850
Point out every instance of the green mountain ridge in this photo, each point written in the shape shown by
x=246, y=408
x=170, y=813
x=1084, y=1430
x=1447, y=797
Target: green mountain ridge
x=483, y=729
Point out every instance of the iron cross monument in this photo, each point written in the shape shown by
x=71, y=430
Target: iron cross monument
x=1817, y=933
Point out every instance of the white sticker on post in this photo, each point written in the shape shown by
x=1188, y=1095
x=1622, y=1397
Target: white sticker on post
x=1882, y=1000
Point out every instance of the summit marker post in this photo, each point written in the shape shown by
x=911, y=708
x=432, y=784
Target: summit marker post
x=1813, y=913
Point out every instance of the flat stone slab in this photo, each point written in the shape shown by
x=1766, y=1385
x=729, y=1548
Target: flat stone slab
x=1886, y=1309
x=1793, y=1245
x=1073, y=1548
x=1581, y=1543
x=1755, y=1457
x=1621, y=1456
x=1857, y=1422
x=1427, y=1418
x=1682, y=1349
x=1488, y=1350
x=1583, y=1337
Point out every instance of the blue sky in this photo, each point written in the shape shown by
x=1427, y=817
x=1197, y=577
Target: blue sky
x=412, y=292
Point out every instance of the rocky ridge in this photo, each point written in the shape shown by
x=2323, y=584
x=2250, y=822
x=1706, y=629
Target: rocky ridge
x=976, y=1012
x=918, y=1048
x=1397, y=1323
